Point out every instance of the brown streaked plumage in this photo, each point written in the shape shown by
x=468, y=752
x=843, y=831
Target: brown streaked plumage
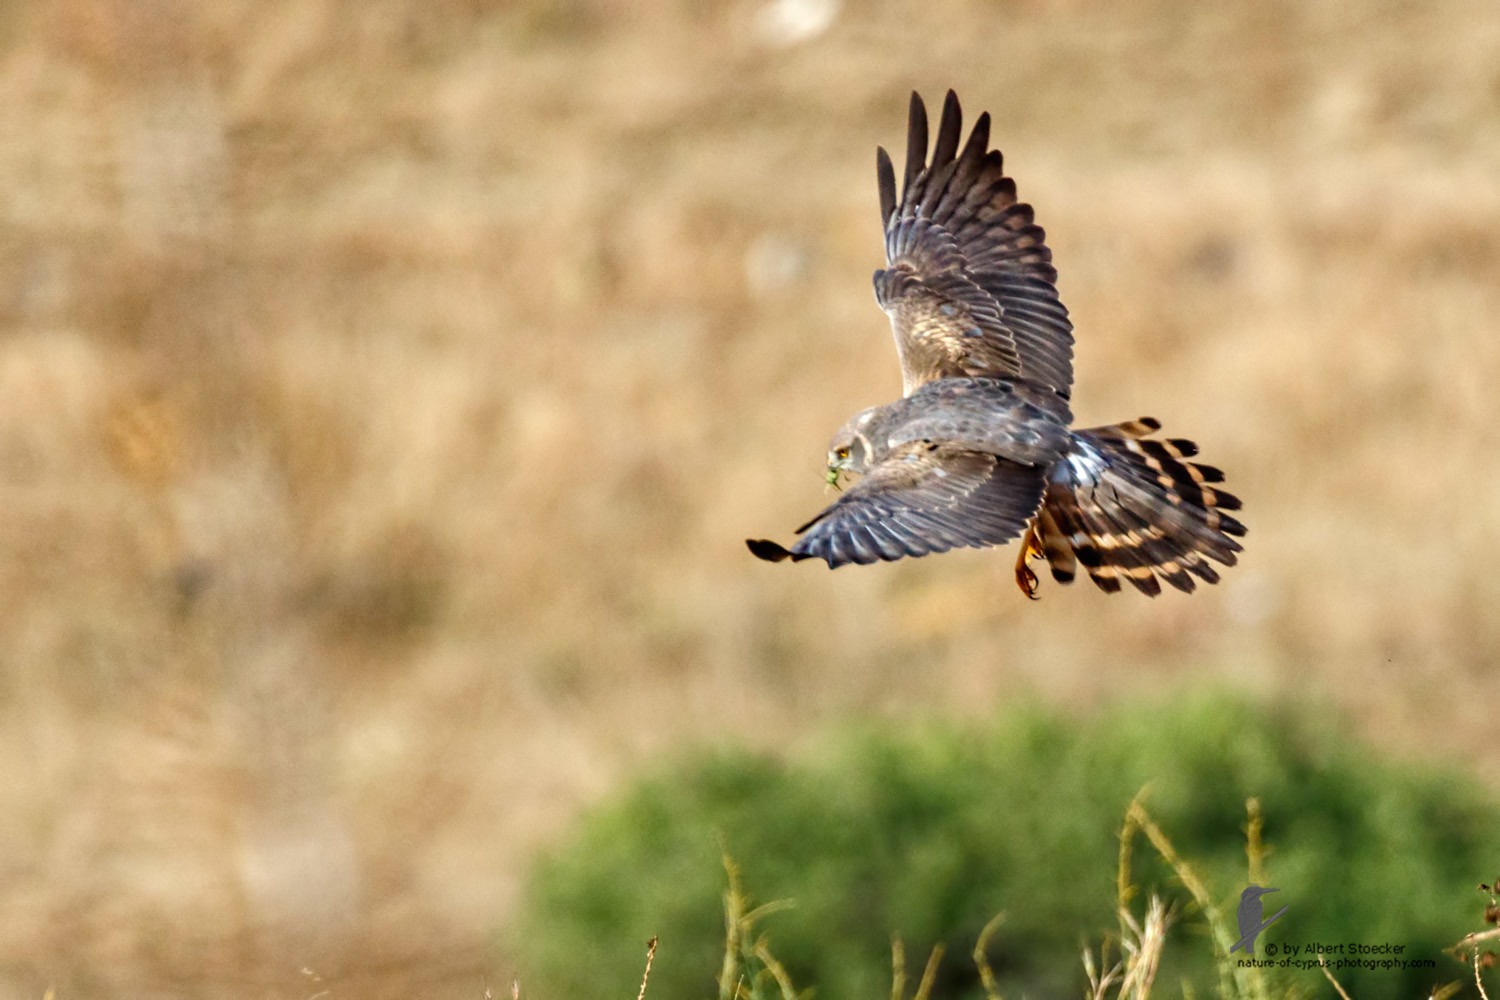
x=1147, y=512
x=969, y=279
x=979, y=447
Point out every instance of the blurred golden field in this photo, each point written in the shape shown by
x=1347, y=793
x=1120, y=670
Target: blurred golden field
x=387, y=390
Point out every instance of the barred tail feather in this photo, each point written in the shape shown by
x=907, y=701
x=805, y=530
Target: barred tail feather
x=1133, y=508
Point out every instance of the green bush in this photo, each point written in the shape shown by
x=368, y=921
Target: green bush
x=928, y=832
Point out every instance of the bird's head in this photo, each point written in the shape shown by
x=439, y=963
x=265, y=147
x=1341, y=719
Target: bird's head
x=850, y=451
x=1255, y=892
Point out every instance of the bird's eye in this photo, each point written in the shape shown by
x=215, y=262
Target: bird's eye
x=843, y=453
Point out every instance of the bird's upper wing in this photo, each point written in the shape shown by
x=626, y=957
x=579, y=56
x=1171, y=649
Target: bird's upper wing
x=969, y=282
x=924, y=498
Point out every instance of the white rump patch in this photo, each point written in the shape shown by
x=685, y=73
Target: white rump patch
x=1085, y=464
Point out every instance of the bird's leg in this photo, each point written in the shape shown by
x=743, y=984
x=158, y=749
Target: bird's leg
x=1031, y=546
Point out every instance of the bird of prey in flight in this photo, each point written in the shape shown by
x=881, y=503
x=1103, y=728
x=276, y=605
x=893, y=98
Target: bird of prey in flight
x=981, y=448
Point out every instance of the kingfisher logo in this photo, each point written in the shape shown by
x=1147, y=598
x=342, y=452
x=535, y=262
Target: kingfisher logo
x=1249, y=914
x=1383, y=955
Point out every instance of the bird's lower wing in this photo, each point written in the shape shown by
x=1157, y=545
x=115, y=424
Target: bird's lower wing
x=926, y=498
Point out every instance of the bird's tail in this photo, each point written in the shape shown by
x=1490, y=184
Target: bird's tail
x=1129, y=507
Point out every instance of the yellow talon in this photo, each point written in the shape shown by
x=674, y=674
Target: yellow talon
x=1026, y=580
x=1030, y=548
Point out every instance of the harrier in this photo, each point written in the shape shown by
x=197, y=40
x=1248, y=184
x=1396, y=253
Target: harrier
x=980, y=448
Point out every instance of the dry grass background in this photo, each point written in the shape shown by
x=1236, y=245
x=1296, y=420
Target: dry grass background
x=386, y=390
